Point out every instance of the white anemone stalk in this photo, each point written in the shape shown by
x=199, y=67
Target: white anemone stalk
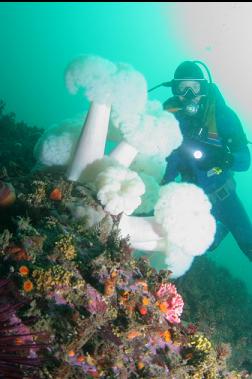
x=124, y=153
x=91, y=144
x=145, y=233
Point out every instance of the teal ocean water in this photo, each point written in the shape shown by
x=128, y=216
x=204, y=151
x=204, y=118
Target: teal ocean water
x=39, y=40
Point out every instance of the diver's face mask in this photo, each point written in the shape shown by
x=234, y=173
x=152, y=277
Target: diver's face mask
x=189, y=88
x=190, y=93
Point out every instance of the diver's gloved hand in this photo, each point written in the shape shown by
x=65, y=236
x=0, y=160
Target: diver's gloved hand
x=225, y=164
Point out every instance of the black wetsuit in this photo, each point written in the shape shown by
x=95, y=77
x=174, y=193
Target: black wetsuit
x=229, y=140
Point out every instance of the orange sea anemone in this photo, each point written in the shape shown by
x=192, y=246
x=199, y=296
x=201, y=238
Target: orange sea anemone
x=145, y=301
x=17, y=253
x=110, y=284
x=133, y=334
x=113, y=274
x=23, y=270
x=162, y=306
x=7, y=194
x=143, y=311
x=109, y=287
x=167, y=336
x=140, y=365
x=71, y=353
x=28, y=286
x=56, y=194
x=81, y=358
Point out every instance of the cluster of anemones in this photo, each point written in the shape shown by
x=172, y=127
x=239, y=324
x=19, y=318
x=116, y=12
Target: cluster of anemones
x=135, y=297
x=27, y=284
x=166, y=299
x=86, y=362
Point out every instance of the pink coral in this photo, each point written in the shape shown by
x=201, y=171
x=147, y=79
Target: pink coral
x=170, y=301
x=95, y=302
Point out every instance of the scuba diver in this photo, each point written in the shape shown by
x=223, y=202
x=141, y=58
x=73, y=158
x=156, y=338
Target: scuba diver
x=214, y=146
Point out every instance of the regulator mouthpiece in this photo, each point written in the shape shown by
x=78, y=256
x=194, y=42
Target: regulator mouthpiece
x=191, y=109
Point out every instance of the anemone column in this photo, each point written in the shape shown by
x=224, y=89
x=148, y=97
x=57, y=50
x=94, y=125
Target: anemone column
x=145, y=233
x=91, y=144
x=124, y=153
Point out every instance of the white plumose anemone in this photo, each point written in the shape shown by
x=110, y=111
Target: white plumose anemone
x=119, y=190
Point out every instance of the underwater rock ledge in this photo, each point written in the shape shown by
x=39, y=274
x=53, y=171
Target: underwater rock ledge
x=105, y=314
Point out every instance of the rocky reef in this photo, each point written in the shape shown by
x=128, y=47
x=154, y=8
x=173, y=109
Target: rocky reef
x=93, y=309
